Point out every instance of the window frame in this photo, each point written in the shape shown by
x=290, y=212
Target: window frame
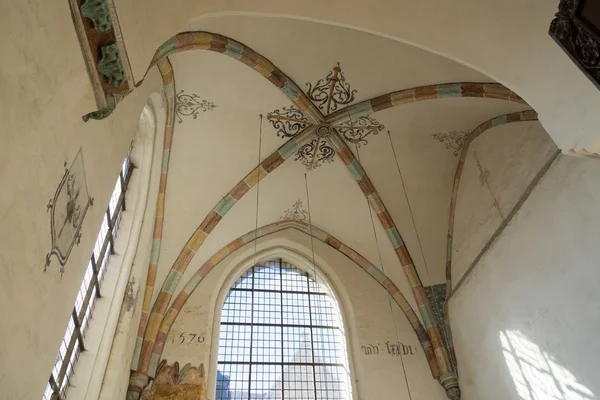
x=311, y=281
x=90, y=289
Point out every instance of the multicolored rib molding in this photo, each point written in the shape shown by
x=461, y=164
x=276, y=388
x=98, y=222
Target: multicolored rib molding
x=168, y=78
x=448, y=378
x=528, y=115
x=199, y=40
x=316, y=233
x=444, y=91
x=147, y=363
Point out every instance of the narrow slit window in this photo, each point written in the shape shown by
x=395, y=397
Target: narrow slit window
x=74, y=339
x=281, y=337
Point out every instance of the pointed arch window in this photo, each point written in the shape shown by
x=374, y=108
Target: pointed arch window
x=281, y=337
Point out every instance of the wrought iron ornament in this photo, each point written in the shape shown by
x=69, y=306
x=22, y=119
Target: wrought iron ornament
x=296, y=212
x=332, y=92
x=454, y=140
x=191, y=104
x=67, y=209
x=289, y=121
x=574, y=29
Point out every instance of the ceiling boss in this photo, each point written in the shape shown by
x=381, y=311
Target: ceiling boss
x=329, y=94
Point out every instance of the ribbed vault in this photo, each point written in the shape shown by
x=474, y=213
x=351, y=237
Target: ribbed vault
x=335, y=130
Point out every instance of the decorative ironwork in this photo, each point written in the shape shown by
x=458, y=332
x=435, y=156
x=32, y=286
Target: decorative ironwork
x=314, y=153
x=454, y=140
x=331, y=92
x=575, y=29
x=296, y=212
x=356, y=131
x=289, y=121
x=191, y=104
x=67, y=210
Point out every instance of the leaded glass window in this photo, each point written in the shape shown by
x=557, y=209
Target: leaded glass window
x=281, y=337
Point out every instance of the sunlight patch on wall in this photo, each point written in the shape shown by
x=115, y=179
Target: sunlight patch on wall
x=536, y=374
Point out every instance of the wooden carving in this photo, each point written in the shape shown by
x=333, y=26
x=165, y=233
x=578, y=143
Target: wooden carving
x=576, y=29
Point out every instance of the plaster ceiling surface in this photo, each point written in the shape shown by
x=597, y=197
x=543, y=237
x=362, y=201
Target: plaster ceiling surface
x=306, y=51
x=336, y=205
x=214, y=151
x=427, y=170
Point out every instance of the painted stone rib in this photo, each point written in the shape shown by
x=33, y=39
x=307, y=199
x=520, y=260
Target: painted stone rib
x=357, y=172
x=449, y=90
x=166, y=71
x=185, y=257
x=199, y=40
x=528, y=115
x=304, y=227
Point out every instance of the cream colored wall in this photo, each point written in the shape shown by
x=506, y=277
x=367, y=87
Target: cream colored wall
x=504, y=40
x=366, y=311
x=525, y=321
x=45, y=91
x=513, y=154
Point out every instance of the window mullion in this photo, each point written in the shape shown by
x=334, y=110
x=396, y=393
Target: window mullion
x=78, y=329
x=281, y=330
x=55, y=388
x=312, y=340
x=109, y=222
x=251, y=337
x=95, y=276
x=122, y=181
x=66, y=360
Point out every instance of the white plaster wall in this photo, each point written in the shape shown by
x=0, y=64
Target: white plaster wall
x=513, y=154
x=45, y=90
x=525, y=321
x=366, y=311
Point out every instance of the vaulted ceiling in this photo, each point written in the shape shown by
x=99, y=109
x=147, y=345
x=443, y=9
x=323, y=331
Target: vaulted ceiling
x=218, y=145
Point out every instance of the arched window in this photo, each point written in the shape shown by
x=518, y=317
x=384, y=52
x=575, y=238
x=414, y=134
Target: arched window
x=74, y=339
x=282, y=337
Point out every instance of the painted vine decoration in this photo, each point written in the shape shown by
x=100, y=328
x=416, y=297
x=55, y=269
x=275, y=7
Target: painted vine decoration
x=191, y=104
x=296, y=212
x=314, y=153
x=332, y=92
x=454, y=140
x=328, y=94
x=356, y=131
x=289, y=121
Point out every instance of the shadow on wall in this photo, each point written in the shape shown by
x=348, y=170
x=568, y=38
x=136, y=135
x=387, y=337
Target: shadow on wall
x=536, y=374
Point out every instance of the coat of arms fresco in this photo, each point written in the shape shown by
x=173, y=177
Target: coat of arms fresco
x=67, y=211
